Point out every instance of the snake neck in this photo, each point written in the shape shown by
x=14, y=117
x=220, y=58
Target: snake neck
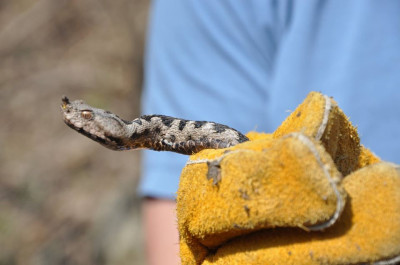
x=165, y=133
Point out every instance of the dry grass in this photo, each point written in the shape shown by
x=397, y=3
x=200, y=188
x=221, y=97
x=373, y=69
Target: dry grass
x=63, y=198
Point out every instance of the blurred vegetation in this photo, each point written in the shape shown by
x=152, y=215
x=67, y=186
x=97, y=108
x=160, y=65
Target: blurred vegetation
x=63, y=198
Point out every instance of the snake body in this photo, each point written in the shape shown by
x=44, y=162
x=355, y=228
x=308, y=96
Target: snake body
x=155, y=132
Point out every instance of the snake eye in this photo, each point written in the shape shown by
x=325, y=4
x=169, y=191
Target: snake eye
x=87, y=114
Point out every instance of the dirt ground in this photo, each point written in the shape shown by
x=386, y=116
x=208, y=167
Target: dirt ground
x=63, y=198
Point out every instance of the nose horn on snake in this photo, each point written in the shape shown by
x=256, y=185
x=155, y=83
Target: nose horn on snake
x=65, y=102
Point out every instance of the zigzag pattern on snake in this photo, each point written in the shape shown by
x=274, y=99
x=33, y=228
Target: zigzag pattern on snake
x=156, y=132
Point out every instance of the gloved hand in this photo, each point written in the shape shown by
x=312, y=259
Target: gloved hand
x=281, y=198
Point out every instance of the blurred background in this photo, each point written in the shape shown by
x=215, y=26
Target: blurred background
x=63, y=198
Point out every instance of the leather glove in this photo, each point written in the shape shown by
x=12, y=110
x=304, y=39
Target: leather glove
x=281, y=198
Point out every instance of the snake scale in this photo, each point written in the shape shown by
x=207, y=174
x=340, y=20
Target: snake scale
x=155, y=132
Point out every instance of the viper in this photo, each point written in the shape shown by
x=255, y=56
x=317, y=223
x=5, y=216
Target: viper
x=155, y=132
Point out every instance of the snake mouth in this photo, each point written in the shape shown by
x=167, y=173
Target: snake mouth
x=107, y=141
x=96, y=138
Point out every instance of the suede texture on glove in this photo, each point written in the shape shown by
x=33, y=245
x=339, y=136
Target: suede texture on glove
x=367, y=231
x=281, y=199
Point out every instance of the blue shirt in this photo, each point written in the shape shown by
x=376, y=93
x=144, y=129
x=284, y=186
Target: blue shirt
x=246, y=63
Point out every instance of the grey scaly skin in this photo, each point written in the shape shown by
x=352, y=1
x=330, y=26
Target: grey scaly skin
x=156, y=132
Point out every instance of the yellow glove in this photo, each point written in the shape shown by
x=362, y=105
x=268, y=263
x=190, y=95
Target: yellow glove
x=261, y=202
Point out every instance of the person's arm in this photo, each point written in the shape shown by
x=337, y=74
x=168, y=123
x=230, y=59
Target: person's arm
x=205, y=60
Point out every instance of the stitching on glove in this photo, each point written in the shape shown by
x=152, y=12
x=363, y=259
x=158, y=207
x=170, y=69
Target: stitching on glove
x=325, y=118
x=394, y=260
x=339, y=202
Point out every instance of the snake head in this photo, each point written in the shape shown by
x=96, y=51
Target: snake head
x=99, y=125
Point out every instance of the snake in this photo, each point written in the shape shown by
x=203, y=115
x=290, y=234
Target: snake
x=154, y=132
